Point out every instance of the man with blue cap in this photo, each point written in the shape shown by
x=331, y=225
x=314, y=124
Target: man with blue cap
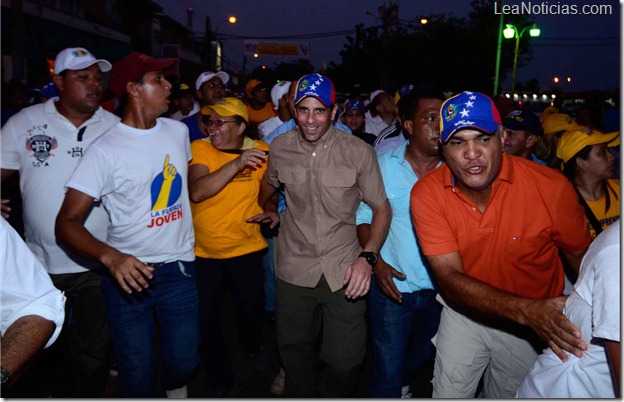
x=492, y=227
x=322, y=271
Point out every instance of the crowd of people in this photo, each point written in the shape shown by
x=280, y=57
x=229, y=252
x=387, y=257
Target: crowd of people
x=441, y=229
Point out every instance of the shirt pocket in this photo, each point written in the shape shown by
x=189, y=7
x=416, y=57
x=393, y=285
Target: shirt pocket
x=341, y=194
x=399, y=199
x=340, y=178
x=292, y=177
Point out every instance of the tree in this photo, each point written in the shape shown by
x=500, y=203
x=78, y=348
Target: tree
x=450, y=52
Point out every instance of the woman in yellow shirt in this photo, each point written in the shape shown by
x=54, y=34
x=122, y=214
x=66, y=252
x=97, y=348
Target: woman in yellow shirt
x=224, y=181
x=588, y=164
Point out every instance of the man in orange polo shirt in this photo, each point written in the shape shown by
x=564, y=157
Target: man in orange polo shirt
x=491, y=226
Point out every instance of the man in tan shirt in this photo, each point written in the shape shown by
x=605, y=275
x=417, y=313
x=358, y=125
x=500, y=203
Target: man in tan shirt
x=321, y=269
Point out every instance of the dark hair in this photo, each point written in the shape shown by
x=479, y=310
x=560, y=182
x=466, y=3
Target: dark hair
x=408, y=104
x=569, y=171
x=569, y=167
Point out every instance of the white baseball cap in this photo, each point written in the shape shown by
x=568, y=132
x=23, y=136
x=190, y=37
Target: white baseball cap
x=78, y=58
x=278, y=91
x=207, y=76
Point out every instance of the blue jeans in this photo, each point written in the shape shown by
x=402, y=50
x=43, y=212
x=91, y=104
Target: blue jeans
x=401, y=338
x=172, y=298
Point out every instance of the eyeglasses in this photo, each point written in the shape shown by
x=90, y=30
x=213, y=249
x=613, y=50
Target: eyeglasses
x=260, y=89
x=218, y=123
x=212, y=85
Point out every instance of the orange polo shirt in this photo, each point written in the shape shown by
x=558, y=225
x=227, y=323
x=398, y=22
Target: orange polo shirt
x=513, y=244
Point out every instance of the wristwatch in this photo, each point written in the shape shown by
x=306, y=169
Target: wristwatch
x=5, y=375
x=370, y=256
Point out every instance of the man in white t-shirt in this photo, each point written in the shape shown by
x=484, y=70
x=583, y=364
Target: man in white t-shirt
x=593, y=306
x=139, y=173
x=44, y=142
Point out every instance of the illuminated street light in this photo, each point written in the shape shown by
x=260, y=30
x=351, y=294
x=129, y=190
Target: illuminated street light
x=512, y=32
x=216, y=45
x=556, y=80
x=424, y=21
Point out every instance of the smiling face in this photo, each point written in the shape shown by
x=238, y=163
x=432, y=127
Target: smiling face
x=224, y=132
x=313, y=119
x=80, y=90
x=474, y=158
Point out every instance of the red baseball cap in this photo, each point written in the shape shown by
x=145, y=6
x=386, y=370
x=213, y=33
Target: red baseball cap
x=132, y=67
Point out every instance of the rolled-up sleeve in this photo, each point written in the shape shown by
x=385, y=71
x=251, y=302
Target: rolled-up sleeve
x=26, y=287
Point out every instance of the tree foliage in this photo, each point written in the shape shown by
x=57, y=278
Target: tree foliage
x=449, y=52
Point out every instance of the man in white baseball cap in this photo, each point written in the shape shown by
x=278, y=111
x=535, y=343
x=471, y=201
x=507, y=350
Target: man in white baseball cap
x=279, y=96
x=209, y=88
x=57, y=133
x=78, y=58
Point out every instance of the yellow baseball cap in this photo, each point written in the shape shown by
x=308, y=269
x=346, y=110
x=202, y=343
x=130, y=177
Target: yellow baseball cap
x=553, y=123
x=228, y=107
x=572, y=142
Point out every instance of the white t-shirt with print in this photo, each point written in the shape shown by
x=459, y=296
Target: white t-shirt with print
x=45, y=147
x=141, y=178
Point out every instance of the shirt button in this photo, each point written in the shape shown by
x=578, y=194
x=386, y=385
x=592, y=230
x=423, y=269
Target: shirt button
x=474, y=209
x=324, y=146
x=313, y=153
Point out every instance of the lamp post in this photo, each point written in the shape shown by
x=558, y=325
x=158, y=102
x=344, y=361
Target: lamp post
x=215, y=48
x=512, y=32
x=498, y=50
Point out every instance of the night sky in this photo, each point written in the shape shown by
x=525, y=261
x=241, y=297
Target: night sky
x=586, y=48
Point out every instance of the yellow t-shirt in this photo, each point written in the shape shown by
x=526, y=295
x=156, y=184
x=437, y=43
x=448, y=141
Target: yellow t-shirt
x=219, y=221
x=599, y=207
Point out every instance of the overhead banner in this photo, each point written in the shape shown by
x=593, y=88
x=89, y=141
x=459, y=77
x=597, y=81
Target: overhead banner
x=293, y=49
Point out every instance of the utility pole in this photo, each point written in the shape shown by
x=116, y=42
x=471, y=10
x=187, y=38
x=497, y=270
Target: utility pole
x=208, y=44
x=498, y=51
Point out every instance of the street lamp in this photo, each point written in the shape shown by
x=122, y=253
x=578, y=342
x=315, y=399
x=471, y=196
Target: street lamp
x=215, y=43
x=512, y=32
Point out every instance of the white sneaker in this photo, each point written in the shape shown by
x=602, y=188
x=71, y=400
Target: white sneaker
x=177, y=393
x=277, y=386
x=405, y=392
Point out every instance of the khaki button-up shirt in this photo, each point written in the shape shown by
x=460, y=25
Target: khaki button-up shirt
x=323, y=185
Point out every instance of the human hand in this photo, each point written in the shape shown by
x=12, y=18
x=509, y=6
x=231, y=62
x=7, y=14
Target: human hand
x=546, y=318
x=273, y=217
x=384, y=274
x=253, y=157
x=357, y=278
x=5, y=208
x=130, y=273
x=169, y=171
